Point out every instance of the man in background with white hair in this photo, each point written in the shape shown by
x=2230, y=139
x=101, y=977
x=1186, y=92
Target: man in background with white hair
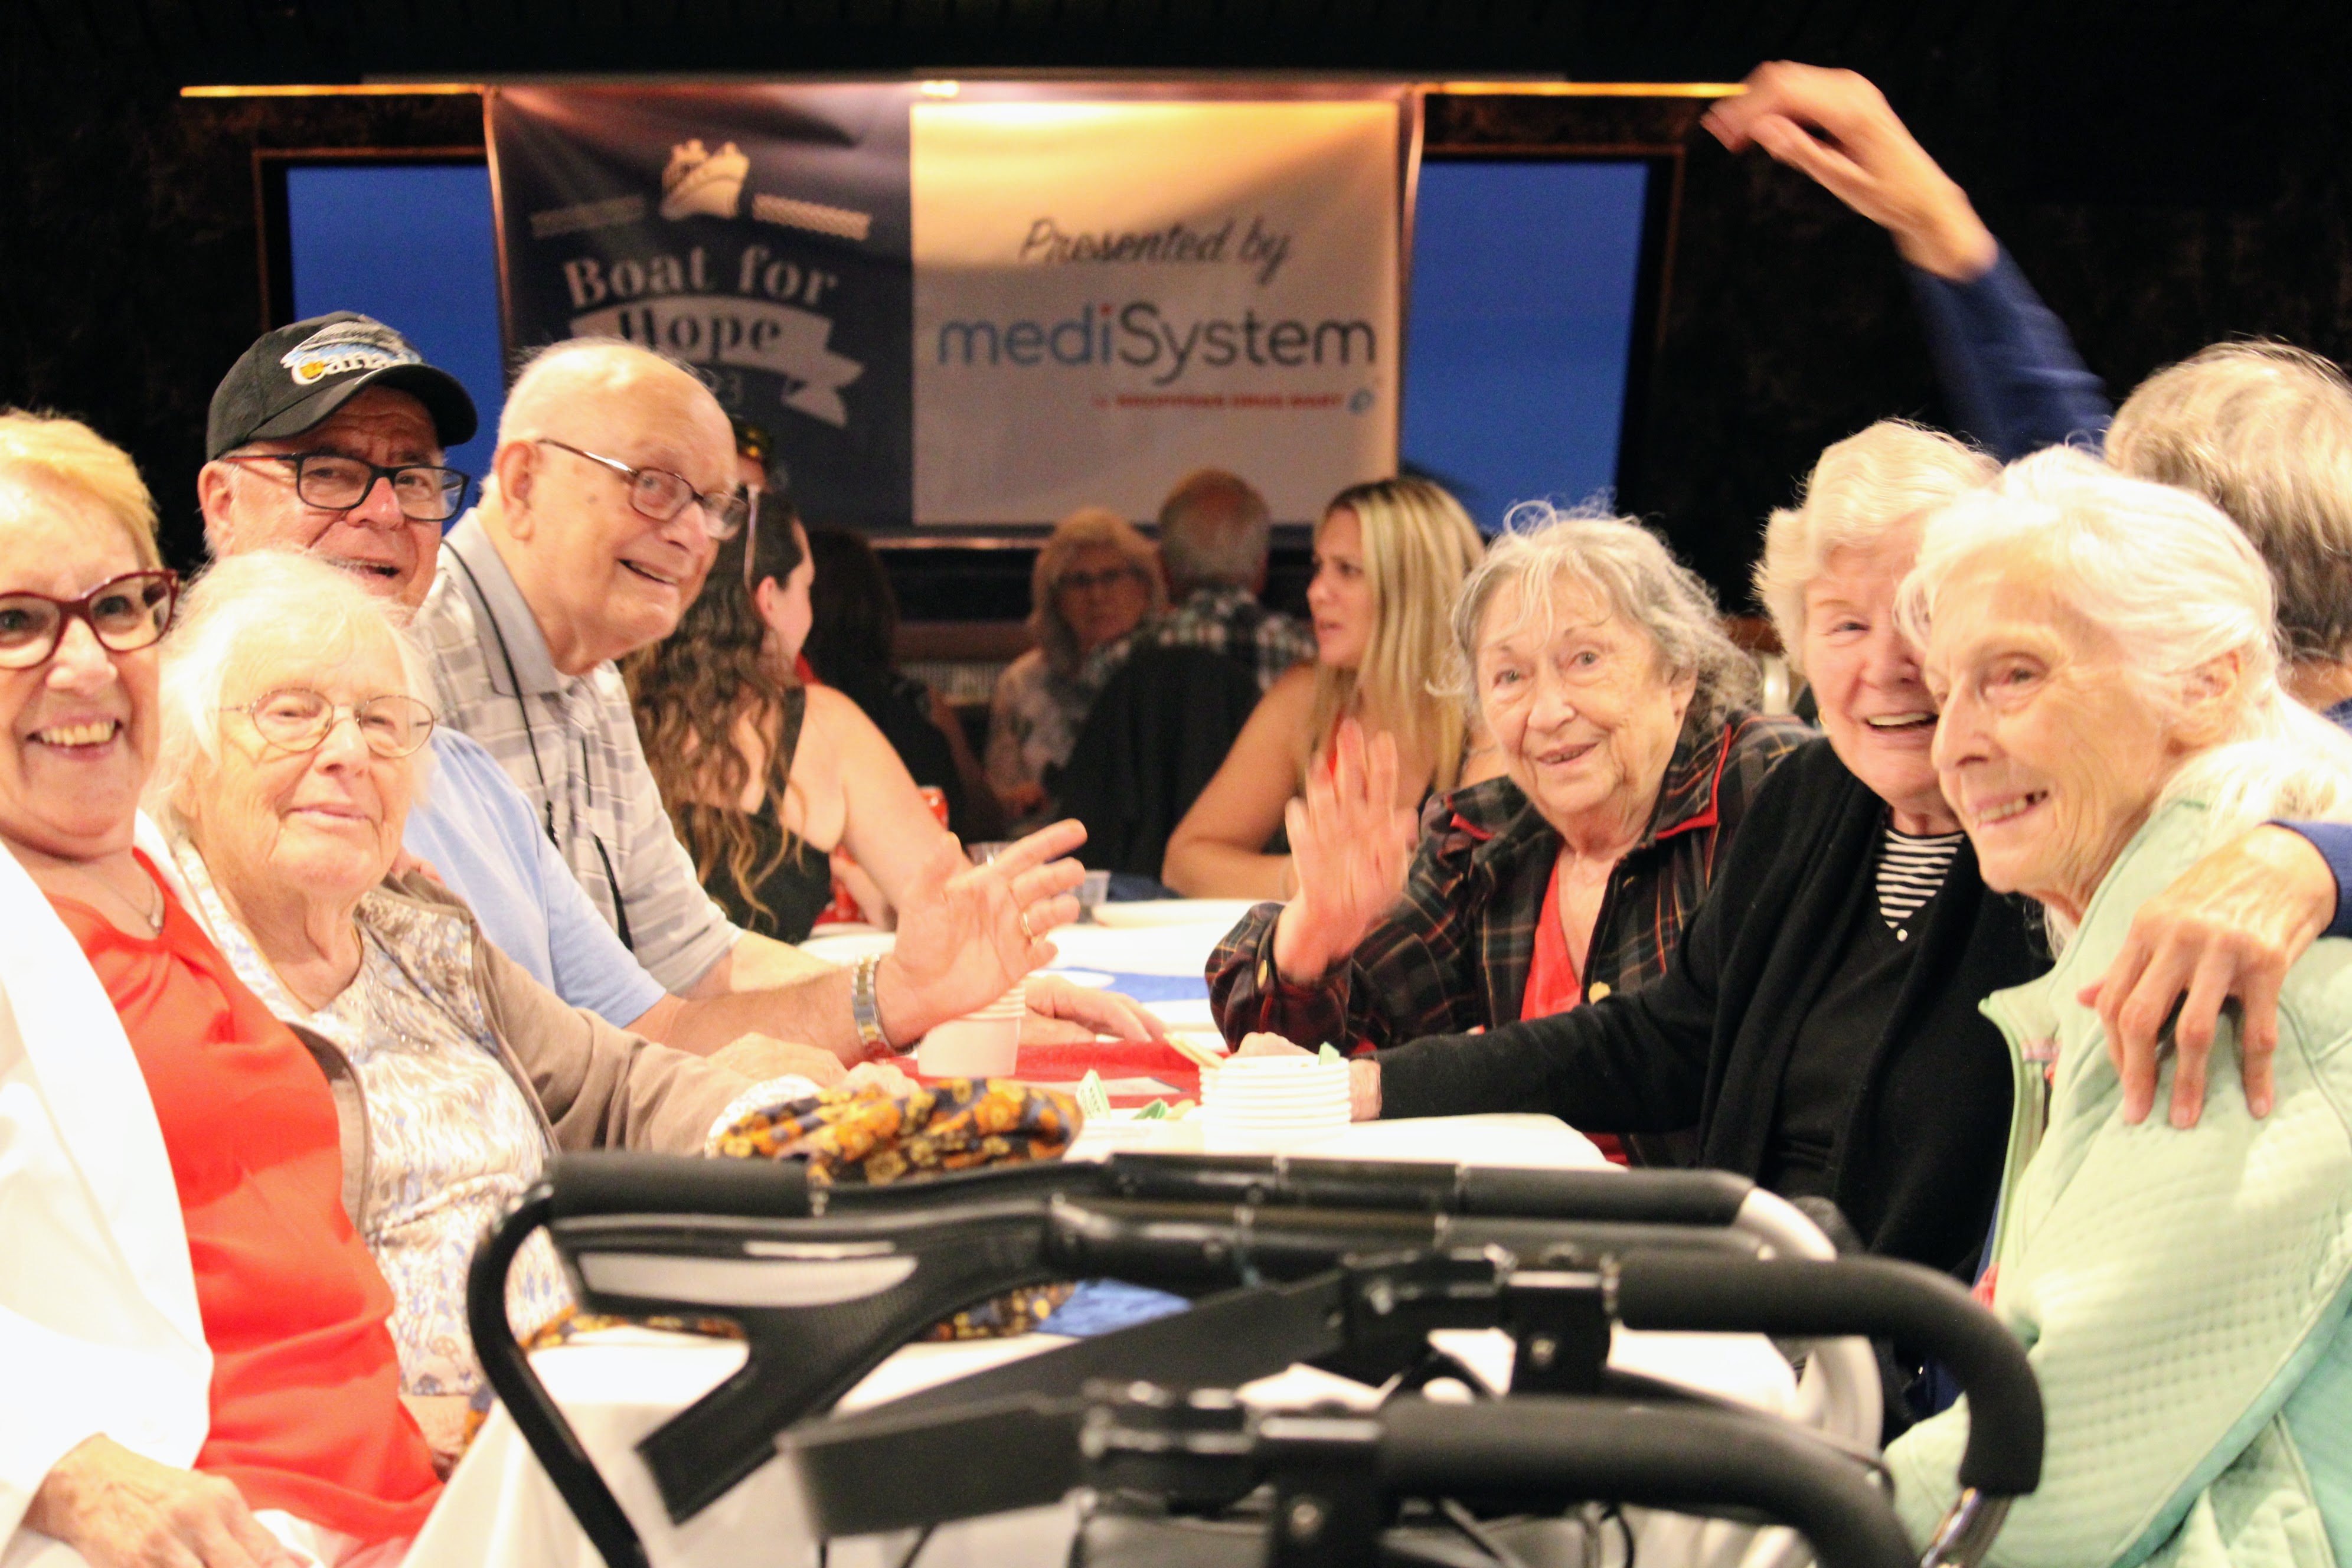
x=613, y=480
x=1214, y=533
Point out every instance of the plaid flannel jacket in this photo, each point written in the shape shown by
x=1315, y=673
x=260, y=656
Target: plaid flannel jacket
x=1226, y=620
x=1453, y=955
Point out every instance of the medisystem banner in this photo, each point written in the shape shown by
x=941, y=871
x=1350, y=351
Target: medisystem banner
x=991, y=308
x=760, y=233
x=1109, y=295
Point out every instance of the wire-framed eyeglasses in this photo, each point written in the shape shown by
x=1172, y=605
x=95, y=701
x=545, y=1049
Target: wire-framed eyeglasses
x=125, y=613
x=661, y=494
x=331, y=481
x=296, y=719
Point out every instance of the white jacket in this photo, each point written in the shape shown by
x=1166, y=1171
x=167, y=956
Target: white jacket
x=100, y=1330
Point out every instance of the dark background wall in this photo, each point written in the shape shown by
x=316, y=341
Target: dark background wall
x=2167, y=176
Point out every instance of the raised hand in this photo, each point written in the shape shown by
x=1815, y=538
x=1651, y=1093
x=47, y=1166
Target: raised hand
x=1351, y=843
x=967, y=933
x=1837, y=128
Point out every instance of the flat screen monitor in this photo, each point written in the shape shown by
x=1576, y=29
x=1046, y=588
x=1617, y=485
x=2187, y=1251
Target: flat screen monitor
x=405, y=240
x=1533, y=306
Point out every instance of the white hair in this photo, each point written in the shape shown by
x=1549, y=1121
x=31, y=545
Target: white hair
x=2264, y=432
x=279, y=590
x=1863, y=487
x=2176, y=588
x=1633, y=575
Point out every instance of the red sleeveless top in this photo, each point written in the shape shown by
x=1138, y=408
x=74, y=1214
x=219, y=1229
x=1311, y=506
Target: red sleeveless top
x=1555, y=986
x=306, y=1413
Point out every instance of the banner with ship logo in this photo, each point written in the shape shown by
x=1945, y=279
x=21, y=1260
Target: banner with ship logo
x=759, y=234
x=992, y=307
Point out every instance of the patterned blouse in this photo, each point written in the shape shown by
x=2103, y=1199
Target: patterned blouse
x=453, y=1139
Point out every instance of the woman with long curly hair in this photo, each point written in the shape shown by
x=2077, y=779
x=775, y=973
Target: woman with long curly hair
x=1389, y=558
x=764, y=776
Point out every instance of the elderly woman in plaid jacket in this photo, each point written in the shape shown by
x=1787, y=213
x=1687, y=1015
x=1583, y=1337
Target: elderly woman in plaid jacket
x=1622, y=718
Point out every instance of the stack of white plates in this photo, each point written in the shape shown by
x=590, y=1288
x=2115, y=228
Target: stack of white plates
x=985, y=1043
x=1267, y=1104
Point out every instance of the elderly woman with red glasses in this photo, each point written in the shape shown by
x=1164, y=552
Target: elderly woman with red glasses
x=201, y=1359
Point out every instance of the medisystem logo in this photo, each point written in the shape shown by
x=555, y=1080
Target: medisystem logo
x=1141, y=336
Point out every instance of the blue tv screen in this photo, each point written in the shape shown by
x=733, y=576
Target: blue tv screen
x=1520, y=340
x=411, y=245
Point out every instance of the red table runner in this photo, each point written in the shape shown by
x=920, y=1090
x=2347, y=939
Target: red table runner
x=1061, y=1067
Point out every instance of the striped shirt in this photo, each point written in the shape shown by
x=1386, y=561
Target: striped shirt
x=1911, y=868
x=569, y=743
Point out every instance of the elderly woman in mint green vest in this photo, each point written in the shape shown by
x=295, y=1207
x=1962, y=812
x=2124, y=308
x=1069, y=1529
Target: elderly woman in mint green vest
x=2103, y=653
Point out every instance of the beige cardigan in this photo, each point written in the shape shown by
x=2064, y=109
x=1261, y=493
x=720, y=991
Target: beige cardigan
x=591, y=1085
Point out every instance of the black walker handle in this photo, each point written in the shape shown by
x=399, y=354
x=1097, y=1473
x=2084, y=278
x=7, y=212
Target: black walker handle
x=1876, y=1298
x=1680, y=1457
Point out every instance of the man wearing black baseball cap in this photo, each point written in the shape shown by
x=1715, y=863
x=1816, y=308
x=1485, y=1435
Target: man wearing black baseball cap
x=305, y=429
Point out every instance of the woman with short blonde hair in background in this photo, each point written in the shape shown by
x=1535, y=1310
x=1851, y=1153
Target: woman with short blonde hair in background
x=1096, y=580
x=1389, y=558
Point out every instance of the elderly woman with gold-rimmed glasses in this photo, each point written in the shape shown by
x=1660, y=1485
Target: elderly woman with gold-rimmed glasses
x=293, y=743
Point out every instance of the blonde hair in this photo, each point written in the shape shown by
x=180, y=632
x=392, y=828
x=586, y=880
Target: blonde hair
x=67, y=452
x=219, y=613
x=1087, y=527
x=2177, y=587
x=1419, y=545
x=2264, y=432
x=1862, y=488
x=1633, y=575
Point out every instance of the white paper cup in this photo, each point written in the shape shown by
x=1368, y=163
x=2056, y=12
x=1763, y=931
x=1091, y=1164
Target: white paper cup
x=970, y=1048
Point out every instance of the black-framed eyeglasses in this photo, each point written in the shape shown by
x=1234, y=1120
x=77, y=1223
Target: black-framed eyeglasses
x=297, y=718
x=333, y=482
x=125, y=613
x=660, y=494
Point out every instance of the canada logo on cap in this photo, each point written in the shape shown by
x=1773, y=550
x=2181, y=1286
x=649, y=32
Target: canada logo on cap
x=344, y=347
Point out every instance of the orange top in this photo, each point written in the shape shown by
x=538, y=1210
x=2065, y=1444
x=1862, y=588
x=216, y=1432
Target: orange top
x=306, y=1412
x=1554, y=985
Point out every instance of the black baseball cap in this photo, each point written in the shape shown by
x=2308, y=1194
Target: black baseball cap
x=298, y=375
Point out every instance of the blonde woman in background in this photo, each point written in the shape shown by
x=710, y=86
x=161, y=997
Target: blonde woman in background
x=1389, y=558
x=1096, y=580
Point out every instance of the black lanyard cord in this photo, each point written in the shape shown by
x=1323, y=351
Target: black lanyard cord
x=530, y=738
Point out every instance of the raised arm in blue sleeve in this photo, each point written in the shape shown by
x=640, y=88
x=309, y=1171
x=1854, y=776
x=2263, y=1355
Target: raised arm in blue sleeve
x=2008, y=365
x=2334, y=842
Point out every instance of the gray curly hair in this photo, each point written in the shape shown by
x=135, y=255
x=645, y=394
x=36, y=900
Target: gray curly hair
x=1630, y=570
